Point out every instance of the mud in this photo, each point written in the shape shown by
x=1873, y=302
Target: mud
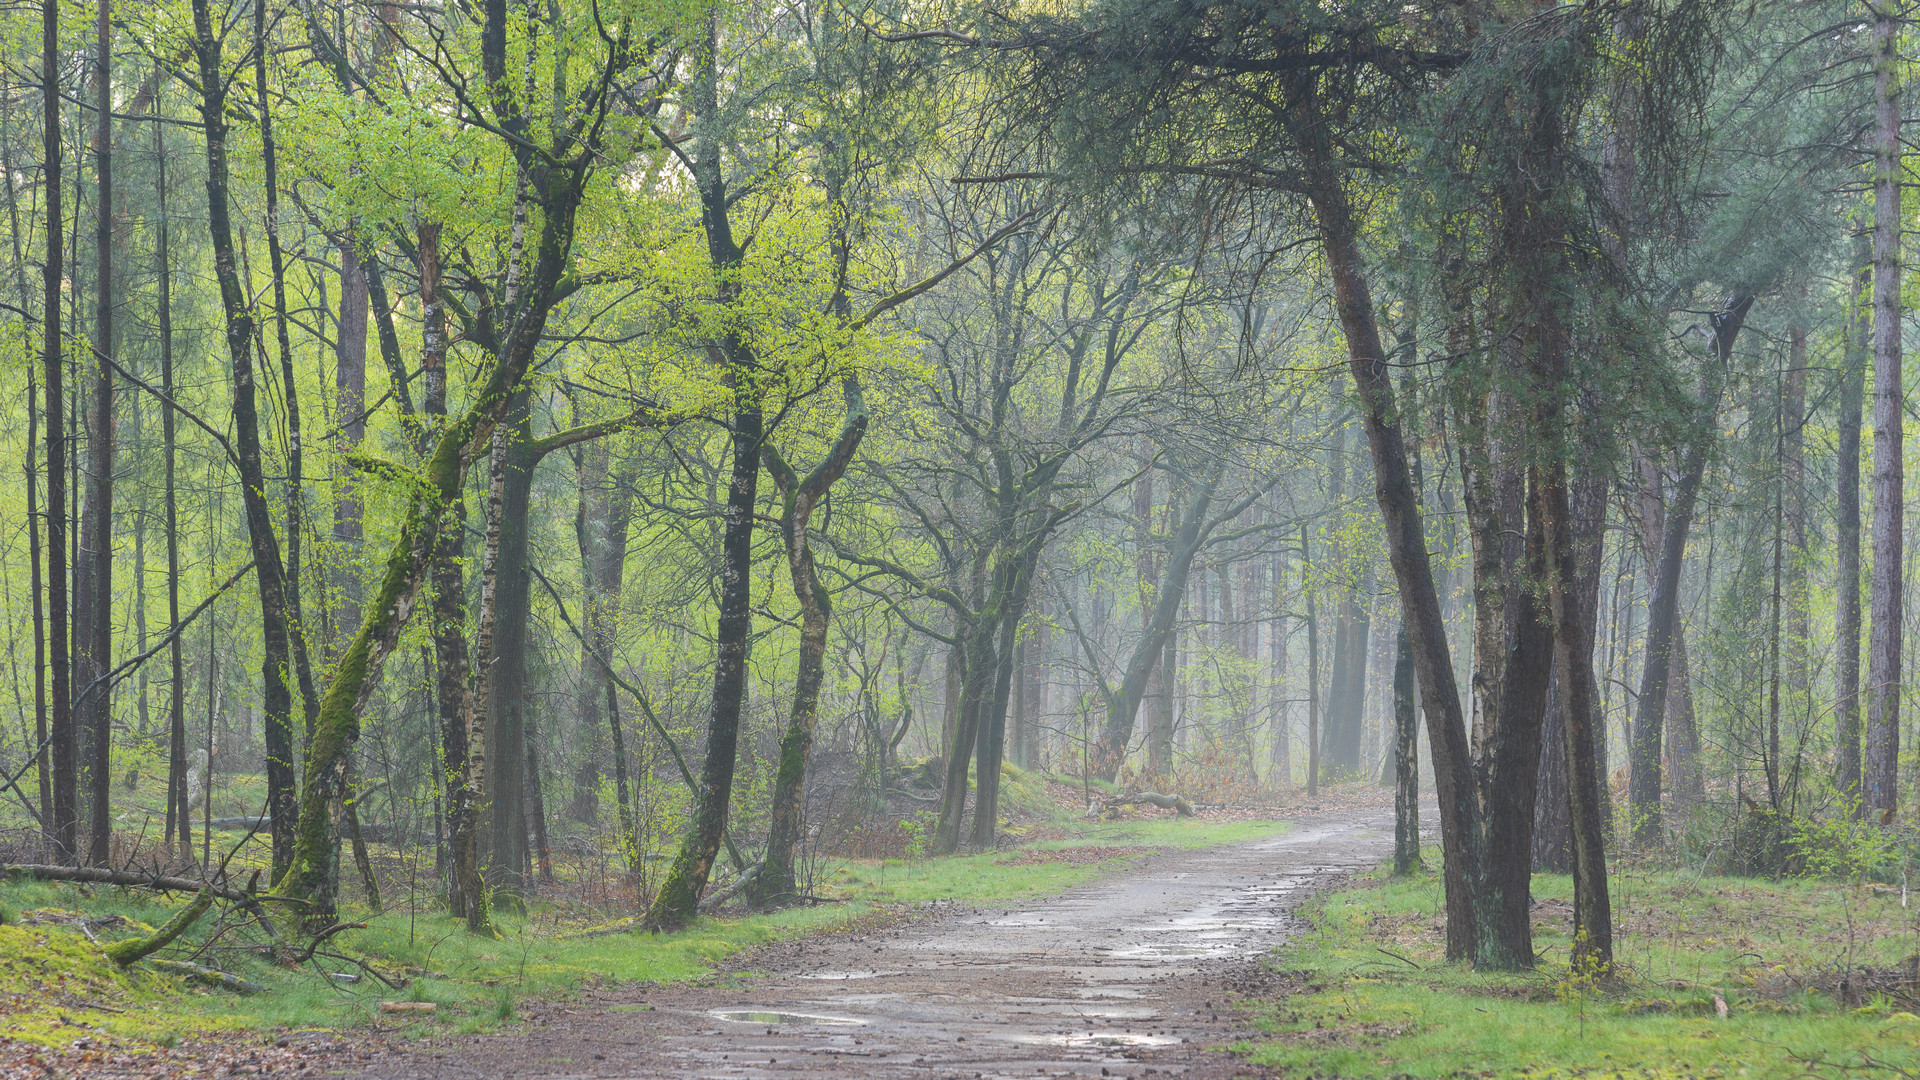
x=1132, y=976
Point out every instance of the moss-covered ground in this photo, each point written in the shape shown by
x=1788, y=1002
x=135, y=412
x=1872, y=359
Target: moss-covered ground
x=1813, y=976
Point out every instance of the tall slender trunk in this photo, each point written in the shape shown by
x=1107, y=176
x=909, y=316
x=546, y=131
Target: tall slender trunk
x=1192, y=526
x=179, y=815
x=294, y=494
x=350, y=402
x=462, y=743
x=679, y=893
x=509, y=599
x=276, y=700
x=1279, y=687
x=40, y=759
x=1406, y=759
x=1881, y=773
x=31, y=468
x=1794, y=476
x=1663, y=606
x=606, y=503
x=1846, y=632
x=1573, y=656
x=1406, y=539
x=1313, y=667
x=978, y=628
x=1012, y=608
x=799, y=497
x=537, y=808
x=93, y=570
x=66, y=825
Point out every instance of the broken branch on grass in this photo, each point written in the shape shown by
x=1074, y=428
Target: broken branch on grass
x=126, y=953
x=320, y=938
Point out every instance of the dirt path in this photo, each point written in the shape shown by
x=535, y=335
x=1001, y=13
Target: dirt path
x=1131, y=976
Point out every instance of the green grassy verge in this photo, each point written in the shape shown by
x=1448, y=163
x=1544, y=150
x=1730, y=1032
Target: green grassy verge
x=55, y=987
x=1036, y=869
x=1374, y=997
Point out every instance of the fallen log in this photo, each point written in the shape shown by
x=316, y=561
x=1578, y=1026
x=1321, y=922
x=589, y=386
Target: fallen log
x=211, y=976
x=728, y=893
x=100, y=875
x=125, y=953
x=1175, y=803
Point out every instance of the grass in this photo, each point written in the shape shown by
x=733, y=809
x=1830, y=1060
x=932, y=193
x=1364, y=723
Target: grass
x=55, y=987
x=1374, y=997
x=1005, y=875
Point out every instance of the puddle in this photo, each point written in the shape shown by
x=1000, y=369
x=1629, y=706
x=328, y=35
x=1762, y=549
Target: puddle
x=1038, y=921
x=1096, y=1040
x=1150, y=952
x=835, y=976
x=1106, y=1012
x=757, y=1016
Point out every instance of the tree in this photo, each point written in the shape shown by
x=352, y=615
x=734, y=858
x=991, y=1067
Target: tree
x=1880, y=774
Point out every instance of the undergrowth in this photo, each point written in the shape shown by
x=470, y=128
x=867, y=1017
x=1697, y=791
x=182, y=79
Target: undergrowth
x=1813, y=975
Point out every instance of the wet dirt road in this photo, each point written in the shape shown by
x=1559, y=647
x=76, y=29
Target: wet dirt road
x=1131, y=976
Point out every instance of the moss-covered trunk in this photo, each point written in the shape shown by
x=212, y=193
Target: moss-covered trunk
x=408, y=565
x=798, y=500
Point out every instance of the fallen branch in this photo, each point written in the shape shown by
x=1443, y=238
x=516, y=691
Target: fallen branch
x=125, y=953
x=1153, y=798
x=322, y=936
x=913, y=795
x=746, y=877
x=98, y=875
x=399, y=984
x=211, y=976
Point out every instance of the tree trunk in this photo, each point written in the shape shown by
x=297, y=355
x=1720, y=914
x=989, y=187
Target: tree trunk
x=284, y=797
x=1406, y=760
x=276, y=701
x=179, y=817
x=1880, y=776
x=798, y=499
x=678, y=900
x=679, y=896
x=606, y=512
x=537, y=809
x=349, y=406
x=1313, y=668
x=93, y=569
x=1846, y=677
x=974, y=690
x=993, y=728
x=1663, y=607
x=1123, y=705
x=1794, y=477
x=1573, y=655
x=1406, y=543
x=1552, y=819
x=462, y=747
x=1279, y=687
x=509, y=592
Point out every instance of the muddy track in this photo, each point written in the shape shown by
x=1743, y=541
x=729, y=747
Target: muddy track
x=1131, y=976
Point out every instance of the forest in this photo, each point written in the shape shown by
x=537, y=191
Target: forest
x=469, y=456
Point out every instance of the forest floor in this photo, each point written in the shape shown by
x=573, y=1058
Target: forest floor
x=65, y=1012
x=1136, y=974
x=1716, y=977
x=1232, y=946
